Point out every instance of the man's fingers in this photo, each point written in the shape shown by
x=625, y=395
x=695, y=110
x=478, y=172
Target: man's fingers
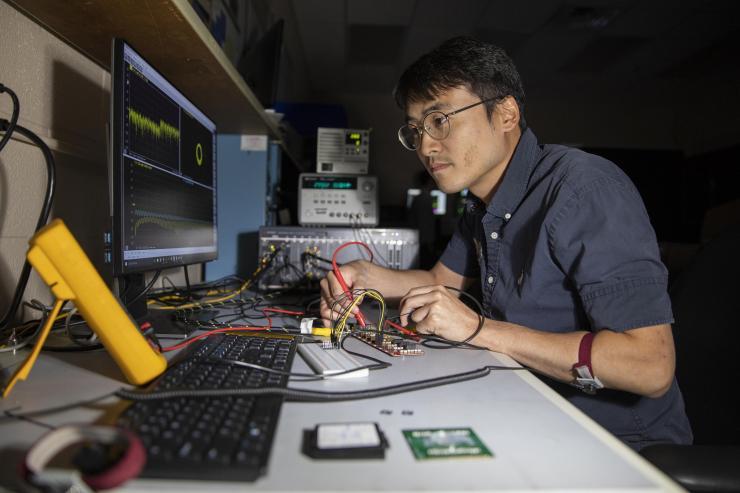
x=417, y=306
x=328, y=316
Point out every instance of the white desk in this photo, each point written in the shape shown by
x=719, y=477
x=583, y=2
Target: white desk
x=539, y=440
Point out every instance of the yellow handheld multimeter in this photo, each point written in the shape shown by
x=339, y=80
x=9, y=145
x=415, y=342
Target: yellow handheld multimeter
x=63, y=265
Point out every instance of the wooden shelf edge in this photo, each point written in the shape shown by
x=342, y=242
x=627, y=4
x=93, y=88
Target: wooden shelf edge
x=89, y=25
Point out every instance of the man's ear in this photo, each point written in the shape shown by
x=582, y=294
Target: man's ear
x=508, y=112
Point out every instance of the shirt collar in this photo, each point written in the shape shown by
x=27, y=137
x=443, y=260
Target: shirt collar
x=515, y=180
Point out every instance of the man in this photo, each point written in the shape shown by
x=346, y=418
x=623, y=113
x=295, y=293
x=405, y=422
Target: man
x=571, y=279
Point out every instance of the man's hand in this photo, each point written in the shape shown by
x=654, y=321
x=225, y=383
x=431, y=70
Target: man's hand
x=436, y=310
x=331, y=290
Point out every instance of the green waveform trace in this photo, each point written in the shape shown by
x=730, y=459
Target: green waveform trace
x=174, y=226
x=143, y=124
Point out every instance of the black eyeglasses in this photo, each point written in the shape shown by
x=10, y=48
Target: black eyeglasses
x=435, y=123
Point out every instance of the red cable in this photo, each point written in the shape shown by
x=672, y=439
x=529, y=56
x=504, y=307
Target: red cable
x=277, y=310
x=280, y=310
x=234, y=329
x=187, y=342
x=402, y=329
x=335, y=268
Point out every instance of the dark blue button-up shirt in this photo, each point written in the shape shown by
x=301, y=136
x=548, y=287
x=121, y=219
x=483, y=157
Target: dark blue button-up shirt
x=565, y=245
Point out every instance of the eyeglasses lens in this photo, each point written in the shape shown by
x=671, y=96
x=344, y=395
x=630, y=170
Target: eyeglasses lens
x=409, y=137
x=437, y=125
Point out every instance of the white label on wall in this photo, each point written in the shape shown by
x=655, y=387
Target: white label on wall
x=254, y=143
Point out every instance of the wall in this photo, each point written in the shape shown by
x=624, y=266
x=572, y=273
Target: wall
x=246, y=179
x=64, y=98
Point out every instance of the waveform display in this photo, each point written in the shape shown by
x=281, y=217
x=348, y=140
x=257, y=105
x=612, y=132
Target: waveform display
x=164, y=210
x=151, y=122
x=175, y=225
x=159, y=130
x=196, y=150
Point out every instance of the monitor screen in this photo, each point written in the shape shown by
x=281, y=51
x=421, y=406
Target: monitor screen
x=435, y=199
x=163, y=171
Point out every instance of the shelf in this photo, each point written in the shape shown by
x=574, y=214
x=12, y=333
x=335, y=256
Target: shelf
x=170, y=35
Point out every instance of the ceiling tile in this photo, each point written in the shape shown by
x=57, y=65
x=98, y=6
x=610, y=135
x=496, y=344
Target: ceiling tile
x=510, y=41
x=371, y=78
x=319, y=11
x=648, y=19
x=380, y=12
x=423, y=39
x=548, y=51
x=524, y=16
x=601, y=53
x=322, y=41
x=449, y=14
x=711, y=60
x=372, y=44
x=585, y=17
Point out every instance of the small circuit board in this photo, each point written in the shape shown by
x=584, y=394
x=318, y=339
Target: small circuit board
x=391, y=345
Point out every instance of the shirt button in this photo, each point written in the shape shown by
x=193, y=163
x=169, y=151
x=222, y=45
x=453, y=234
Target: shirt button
x=507, y=216
x=494, y=235
x=490, y=279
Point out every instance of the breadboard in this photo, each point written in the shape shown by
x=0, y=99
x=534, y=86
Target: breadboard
x=331, y=361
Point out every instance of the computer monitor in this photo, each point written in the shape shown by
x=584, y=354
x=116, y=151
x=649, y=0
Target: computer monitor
x=163, y=176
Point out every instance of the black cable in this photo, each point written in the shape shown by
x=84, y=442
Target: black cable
x=187, y=283
x=14, y=115
x=379, y=365
x=59, y=409
x=442, y=343
x=307, y=376
x=305, y=395
x=43, y=215
x=218, y=283
x=145, y=290
x=9, y=413
x=317, y=257
x=71, y=349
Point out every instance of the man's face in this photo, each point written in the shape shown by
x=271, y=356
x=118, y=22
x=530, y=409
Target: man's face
x=473, y=155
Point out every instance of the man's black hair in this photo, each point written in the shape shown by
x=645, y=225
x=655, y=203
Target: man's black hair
x=484, y=68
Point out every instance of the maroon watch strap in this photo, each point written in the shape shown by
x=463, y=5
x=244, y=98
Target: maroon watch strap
x=584, y=352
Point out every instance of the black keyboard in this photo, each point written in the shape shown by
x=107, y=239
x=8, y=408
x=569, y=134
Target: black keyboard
x=214, y=438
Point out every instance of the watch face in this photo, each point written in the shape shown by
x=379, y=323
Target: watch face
x=585, y=381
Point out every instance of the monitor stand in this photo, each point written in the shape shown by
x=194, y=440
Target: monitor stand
x=165, y=326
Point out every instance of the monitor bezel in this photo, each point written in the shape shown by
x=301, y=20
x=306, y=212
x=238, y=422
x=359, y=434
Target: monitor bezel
x=117, y=167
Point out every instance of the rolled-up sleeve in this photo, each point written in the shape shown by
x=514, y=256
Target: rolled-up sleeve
x=602, y=239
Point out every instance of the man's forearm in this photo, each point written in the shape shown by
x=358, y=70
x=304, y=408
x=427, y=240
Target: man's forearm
x=640, y=361
x=393, y=284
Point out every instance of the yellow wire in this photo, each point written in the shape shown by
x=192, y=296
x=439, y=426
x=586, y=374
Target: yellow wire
x=233, y=294
x=339, y=327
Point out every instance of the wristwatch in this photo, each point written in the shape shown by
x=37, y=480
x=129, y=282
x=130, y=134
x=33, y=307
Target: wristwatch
x=584, y=374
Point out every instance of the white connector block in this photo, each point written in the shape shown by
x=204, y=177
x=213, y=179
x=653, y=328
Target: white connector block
x=331, y=361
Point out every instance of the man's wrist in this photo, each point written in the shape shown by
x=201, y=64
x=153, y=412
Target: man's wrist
x=582, y=369
x=490, y=336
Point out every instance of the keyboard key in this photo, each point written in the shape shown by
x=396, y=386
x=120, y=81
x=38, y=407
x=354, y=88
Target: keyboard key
x=214, y=438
